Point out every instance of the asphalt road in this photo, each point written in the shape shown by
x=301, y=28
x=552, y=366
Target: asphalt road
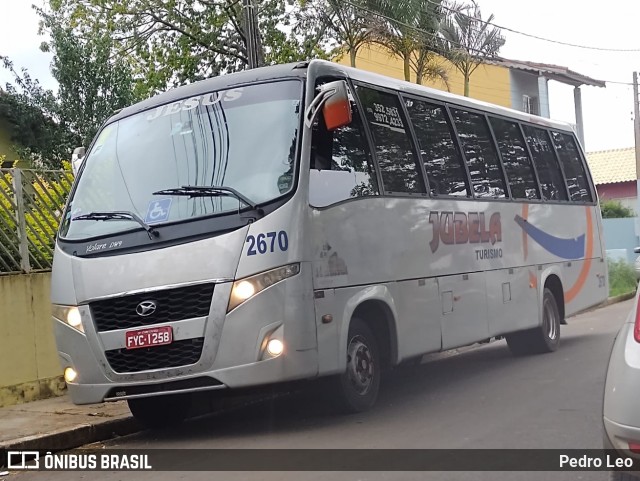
x=480, y=398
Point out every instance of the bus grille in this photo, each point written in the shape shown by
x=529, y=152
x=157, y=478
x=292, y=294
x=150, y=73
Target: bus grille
x=178, y=353
x=171, y=305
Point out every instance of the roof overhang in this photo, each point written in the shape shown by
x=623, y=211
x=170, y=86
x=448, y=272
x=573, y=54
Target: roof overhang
x=553, y=72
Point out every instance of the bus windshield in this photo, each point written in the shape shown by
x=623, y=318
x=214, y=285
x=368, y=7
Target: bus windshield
x=242, y=139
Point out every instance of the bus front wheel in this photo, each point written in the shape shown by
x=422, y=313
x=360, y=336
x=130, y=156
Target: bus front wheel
x=541, y=339
x=357, y=388
x=160, y=411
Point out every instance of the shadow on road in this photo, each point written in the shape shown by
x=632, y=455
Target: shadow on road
x=307, y=406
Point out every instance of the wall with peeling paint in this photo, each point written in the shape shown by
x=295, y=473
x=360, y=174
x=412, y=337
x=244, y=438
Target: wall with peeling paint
x=29, y=367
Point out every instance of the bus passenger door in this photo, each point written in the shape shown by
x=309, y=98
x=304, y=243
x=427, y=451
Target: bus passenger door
x=463, y=300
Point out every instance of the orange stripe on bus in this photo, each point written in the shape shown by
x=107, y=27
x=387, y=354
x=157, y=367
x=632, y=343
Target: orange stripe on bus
x=574, y=290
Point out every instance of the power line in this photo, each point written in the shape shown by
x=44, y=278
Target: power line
x=431, y=35
x=537, y=37
x=416, y=29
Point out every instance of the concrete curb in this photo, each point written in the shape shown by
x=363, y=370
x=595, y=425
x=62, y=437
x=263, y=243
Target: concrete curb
x=73, y=437
x=616, y=299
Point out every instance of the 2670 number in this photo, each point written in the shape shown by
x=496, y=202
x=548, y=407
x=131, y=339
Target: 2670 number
x=263, y=243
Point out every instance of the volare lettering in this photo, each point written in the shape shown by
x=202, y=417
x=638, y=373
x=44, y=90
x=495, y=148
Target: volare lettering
x=96, y=247
x=464, y=227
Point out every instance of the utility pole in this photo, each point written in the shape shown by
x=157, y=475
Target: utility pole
x=250, y=33
x=636, y=131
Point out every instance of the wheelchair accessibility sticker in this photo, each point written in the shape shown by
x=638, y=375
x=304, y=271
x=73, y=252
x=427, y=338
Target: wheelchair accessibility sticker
x=158, y=211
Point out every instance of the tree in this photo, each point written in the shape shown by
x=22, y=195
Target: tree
x=173, y=42
x=349, y=25
x=93, y=81
x=613, y=209
x=469, y=40
x=29, y=111
x=409, y=30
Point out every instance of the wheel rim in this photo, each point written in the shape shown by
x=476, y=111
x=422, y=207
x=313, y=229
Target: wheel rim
x=550, y=319
x=360, y=367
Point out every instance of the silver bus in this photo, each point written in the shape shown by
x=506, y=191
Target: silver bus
x=308, y=220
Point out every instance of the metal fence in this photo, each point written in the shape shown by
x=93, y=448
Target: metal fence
x=31, y=205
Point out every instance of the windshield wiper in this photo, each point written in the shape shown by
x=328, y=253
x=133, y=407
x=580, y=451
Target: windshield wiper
x=209, y=191
x=119, y=215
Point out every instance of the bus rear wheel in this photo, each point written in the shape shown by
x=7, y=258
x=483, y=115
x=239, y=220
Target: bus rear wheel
x=541, y=339
x=160, y=411
x=357, y=388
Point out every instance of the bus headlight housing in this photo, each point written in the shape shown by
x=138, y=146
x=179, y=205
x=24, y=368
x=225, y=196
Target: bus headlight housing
x=69, y=315
x=244, y=289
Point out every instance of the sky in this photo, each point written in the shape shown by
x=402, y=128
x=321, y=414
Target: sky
x=607, y=112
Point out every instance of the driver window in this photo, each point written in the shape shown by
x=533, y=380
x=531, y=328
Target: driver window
x=341, y=165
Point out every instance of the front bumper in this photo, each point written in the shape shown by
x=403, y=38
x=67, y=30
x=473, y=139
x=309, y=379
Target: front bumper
x=298, y=365
x=232, y=355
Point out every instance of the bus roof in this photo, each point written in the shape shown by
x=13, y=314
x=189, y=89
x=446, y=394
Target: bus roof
x=321, y=68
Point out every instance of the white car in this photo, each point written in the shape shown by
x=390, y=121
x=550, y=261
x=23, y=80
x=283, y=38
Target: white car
x=621, y=414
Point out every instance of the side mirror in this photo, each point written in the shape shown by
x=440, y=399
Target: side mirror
x=333, y=98
x=76, y=159
x=636, y=250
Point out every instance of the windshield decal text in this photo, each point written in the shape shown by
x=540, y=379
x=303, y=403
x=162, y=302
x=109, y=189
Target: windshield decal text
x=191, y=103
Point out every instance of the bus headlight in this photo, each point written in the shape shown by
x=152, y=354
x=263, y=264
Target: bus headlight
x=244, y=289
x=69, y=315
x=70, y=374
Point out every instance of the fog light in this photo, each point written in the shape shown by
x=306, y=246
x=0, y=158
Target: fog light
x=275, y=347
x=73, y=318
x=244, y=290
x=70, y=374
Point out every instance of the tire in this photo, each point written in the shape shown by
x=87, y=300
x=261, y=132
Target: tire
x=356, y=390
x=160, y=411
x=541, y=339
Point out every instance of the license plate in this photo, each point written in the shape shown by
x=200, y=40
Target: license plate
x=155, y=336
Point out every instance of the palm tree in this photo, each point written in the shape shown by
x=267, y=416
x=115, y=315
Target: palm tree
x=469, y=40
x=409, y=29
x=351, y=25
x=348, y=24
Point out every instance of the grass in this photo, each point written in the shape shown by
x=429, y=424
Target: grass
x=622, y=278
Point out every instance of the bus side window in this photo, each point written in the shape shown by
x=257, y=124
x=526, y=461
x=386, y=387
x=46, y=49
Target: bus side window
x=515, y=158
x=482, y=158
x=573, y=168
x=441, y=158
x=394, y=152
x=341, y=165
x=544, y=158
